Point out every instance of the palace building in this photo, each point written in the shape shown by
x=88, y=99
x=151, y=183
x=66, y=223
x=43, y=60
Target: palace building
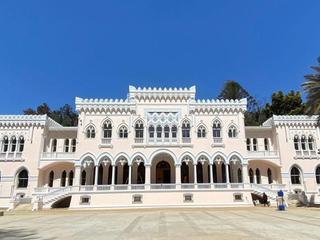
x=159, y=147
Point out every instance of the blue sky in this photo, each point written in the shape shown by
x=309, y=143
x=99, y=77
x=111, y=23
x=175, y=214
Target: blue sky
x=52, y=51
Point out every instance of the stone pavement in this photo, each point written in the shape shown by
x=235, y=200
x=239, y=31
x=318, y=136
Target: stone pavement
x=199, y=223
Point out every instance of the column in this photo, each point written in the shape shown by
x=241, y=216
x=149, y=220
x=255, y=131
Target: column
x=211, y=173
x=113, y=175
x=195, y=173
x=147, y=176
x=129, y=175
x=96, y=173
x=227, y=173
x=178, y=176
x=245, y=176
x=77, y=173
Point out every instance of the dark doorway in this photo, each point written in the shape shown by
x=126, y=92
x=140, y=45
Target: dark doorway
x=184, y=173
x=163, y=172
x=141, y=174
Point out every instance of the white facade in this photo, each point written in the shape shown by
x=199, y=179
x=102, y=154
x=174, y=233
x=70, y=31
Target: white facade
x=158, y=147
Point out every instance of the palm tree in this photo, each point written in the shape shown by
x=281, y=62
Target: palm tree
x=312, y=89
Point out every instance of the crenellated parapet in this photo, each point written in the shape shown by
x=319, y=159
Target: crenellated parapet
x=162, y=95
x=292, y=121
x=218, y=105
x=7, y=121
x=104, y=106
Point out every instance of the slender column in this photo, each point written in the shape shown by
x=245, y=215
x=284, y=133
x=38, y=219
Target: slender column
x=129, y=177
x=211, y=173
x=227, y=173
x=77, y=173
x=245, y=176
x=178, y=175
x=113, y=174
x=96, y=175
x=147, y=176
x=195, y=173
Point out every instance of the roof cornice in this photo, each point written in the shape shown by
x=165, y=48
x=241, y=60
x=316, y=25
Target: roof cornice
x=291, y=120
x=26, y=121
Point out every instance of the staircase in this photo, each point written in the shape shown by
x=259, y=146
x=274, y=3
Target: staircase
x=50, y=197
x=270, y=190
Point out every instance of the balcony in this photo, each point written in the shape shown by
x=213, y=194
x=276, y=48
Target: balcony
x=53, y=156
x=11, y=156
x=217, y=142
x=105, y=143
x=306, y=154
x=186, y=140
x=263, y=155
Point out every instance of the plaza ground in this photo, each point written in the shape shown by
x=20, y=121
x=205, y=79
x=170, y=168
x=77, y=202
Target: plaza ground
x=198, y=223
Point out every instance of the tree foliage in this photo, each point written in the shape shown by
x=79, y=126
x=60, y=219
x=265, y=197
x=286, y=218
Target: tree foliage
x=65, y=115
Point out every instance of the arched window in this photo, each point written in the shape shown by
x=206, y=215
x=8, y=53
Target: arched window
x=63, y=179
x=295, y=175
x=139, y=129
x=201, y=132
x=23, y=177
x=174, y=131
x=159, y=131
x=91, y=132
x=258, y=176
x=51, y=178
x=296, y=142
x=73, y=145
x=54, y=145
x=216, y=129
x=239, y=175
x=303, y=143
x=70, y=178
x=5, y=143
x=13, y=143
x=255, y=144
x=248, y=144
x=311, y=143
x=186, y=129
x=251, y=176
x=107, y=129
x=318, y=175
x=83, y=177
x=269, y=172
x=266, y=144
x=166, y=131
x=151, y=131
x=123, y=132
x=232, y=132
x=21, y=143
x=66, y=145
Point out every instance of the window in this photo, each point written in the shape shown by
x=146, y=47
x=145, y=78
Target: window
x=159, y=131
x=73, y=145
x=238, y=197
x=251, y=176
x=23, y=179
x=21, y=144
x=63, y=179
x=269, y=172
x=166, y=131
x=258, y=176
x=201, y=132
x=174, y=132
x=85, y=200
x=240, y=175
x=186, y=129
x=123, y=132
x=318, y=175
x=107, y=129
x=91, y=132
x=51, y=178
x=311, y=143
x=216, y=129
x=296, y=142
x=232, y=133
x=54, y=145
x=139, y=129
x=303, y=143
x=188, y=197
x=151, y=131
x=248, y=144
x=137, y=198
x=5, y=144
x=255, y=144
x=13, y=143
x=66, y=145
x=266, y=144
x=70, y=179
x=295, y=175
x=83, y=177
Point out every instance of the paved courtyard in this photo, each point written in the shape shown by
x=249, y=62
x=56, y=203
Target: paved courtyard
x=202, y=223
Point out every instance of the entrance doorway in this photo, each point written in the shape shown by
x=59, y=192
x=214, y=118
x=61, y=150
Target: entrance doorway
x=163, y=174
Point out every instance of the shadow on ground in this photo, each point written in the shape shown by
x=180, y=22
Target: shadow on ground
x=20, y=233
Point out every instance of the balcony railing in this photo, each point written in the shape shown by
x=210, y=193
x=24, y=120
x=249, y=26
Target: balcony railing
x=58, y=155
x=186, y=140
x=11, y=156
x=106, y=141
x=306, y=154
x=263, y=154
x=138, y=140
x=217, y=140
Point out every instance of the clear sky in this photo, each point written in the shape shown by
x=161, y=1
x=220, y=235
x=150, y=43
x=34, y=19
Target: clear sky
x=52, y=51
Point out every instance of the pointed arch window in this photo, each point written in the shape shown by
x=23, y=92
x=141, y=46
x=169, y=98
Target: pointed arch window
x=248, y=144
x=295, y=175
x=54, y=145
x=151, y=131
x=269, y=172
x=70, y=178
x=255, y=144
x=63, y=179
x=296, y=142
x=73, y=145
x=318, y=175
x=216, y=129
x=166, y=131
x=186, y=129
x=139, y=129
x=13, y=143
x=83, y=177
x=201, y=132
x=23, y=178
x=303, y=143
x=232, y=132
x=107, y=129
x=123, y=132
x=21, y=144
x=174, y=131
x=258, y=176
x=240, y=175
x=159, y=131
x=91, y=132
x=5, y=144
x=311, y=143
x=66, y=145
x=266, y=144
x=51, y=178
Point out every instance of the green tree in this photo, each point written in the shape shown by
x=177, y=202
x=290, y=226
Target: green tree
x=312, y=89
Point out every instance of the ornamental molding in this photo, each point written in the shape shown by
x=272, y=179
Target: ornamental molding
x=296, y=121
x=199, y=107
x=26, y=121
